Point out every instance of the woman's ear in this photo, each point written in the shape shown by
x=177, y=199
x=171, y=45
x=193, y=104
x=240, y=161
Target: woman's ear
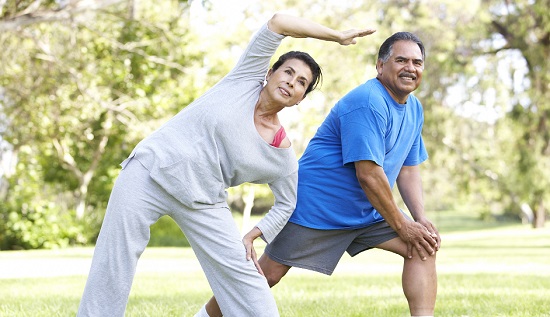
x=269, y=73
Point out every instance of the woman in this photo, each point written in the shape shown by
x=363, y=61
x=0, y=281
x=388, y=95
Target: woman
x=228, y=136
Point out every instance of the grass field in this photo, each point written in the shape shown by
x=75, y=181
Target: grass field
x=485, y=269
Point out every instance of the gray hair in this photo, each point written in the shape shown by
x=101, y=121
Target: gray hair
x=386, y=48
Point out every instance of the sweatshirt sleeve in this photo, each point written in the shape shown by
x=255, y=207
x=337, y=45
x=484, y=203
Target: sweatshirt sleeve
x=284, y=190
x=254, y=62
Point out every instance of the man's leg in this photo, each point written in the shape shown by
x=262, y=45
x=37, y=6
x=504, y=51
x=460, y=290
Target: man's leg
x=273, y=271
x=419, y=278
x=297, y=246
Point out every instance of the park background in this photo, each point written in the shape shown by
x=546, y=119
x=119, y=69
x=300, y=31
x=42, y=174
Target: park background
x=82, y=82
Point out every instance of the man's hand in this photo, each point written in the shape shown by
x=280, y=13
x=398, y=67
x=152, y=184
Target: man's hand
x=248, y=241
x=433, y=231
x=418, y=237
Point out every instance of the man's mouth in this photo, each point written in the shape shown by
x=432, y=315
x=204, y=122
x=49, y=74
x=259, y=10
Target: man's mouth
x=408, y=75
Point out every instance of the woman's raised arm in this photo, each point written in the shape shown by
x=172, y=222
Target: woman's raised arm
x=301, y=28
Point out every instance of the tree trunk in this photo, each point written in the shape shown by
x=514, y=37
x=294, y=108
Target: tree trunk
x=247, y=211
x=540, y=216
x=82, y=194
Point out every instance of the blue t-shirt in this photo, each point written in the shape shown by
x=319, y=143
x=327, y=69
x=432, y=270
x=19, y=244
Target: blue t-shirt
x=366, y=124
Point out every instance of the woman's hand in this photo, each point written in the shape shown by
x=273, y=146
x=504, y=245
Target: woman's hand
x=302, y=28
x=349, y=37
x=248, y=241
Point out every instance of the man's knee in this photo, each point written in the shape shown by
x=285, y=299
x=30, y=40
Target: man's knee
x=273, y=278
x=273, y=271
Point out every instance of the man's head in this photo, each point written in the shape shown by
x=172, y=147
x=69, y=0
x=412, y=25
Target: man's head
x=400, y=64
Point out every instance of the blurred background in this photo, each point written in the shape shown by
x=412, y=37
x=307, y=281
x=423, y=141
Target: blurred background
x=83, y=81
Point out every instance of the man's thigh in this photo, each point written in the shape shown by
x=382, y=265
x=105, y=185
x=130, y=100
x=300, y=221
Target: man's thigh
x=379, y=235
x=312, y=249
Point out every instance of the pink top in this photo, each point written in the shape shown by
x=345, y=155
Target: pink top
x=279, y=137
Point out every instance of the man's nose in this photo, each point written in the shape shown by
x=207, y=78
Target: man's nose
x=410, y=66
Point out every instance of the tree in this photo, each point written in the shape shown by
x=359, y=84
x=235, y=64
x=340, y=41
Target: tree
x=76, y=87
x=524, y=27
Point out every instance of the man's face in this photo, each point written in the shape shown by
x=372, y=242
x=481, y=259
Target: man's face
x=402, y=73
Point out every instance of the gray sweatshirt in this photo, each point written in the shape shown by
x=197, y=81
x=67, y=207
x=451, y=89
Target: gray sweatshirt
x=213, y=144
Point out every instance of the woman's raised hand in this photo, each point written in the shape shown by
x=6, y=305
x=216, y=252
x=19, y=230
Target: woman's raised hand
x=349, y=37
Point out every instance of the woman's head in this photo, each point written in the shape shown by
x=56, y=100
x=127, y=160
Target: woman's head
x=309, y=61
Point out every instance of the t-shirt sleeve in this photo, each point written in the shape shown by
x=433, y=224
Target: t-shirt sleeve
x=254, y=62
x=418, y=153
x=362, y=135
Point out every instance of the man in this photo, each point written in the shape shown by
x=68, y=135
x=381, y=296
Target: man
x=370, y=141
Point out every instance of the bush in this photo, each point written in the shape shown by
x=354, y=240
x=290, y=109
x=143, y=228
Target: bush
x=166, y=233
x=39, y=226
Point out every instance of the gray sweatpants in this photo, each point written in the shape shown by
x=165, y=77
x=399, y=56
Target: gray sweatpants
x=136, y=203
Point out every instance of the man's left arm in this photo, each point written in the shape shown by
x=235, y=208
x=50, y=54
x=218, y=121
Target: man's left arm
x=409, y=183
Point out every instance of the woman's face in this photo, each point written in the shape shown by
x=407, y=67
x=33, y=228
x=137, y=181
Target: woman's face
x=288, y=84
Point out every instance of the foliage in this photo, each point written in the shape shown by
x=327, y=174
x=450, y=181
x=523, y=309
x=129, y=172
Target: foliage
x=81, y=87
x=166, y=233
x=77, y=96
x=37, y=216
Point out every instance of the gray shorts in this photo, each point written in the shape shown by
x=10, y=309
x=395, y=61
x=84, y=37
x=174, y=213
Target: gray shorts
x=320, y=250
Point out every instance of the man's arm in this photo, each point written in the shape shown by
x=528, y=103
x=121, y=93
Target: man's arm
x=409, y=183
x=375, y=184
x=301, y=28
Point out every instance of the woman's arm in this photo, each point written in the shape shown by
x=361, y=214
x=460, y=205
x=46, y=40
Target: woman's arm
x=300, y=28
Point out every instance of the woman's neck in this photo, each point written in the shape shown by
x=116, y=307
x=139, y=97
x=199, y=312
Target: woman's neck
x=266, y=113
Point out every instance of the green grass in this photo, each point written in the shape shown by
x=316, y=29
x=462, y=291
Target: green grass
x=484, y=270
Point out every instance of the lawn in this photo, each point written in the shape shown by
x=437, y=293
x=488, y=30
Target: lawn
x=484, y=270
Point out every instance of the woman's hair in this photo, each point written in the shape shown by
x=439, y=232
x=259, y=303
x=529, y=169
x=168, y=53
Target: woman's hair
x=386, y=48
x=309, y=61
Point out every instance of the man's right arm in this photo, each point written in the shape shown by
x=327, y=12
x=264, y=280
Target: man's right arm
x=375, y=184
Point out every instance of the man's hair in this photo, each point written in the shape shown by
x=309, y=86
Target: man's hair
x=309, y=61
x=386, y=48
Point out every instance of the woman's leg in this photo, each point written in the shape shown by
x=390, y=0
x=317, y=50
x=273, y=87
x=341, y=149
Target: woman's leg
x=273, y=271
x=240, y=290
x=135, y=204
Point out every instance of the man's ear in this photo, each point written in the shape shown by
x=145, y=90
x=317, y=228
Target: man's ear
x=379, y=66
